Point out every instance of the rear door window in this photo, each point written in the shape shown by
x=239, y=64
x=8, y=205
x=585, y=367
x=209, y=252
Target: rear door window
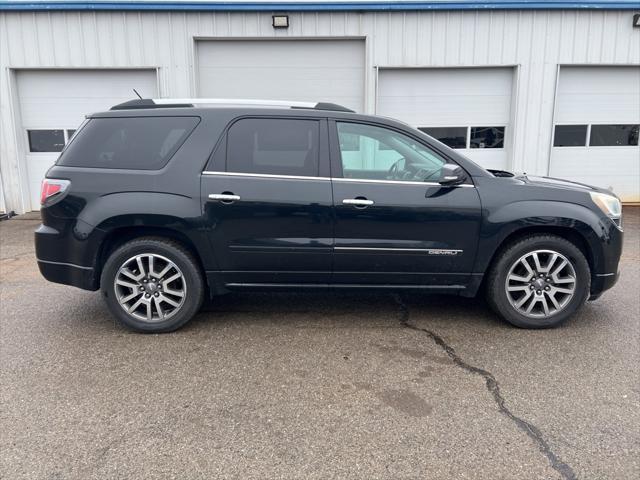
x=274, y=146
x=137, y=143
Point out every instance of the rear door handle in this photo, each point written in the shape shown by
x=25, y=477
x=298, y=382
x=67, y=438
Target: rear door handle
x=224, y=197
x=357, y=202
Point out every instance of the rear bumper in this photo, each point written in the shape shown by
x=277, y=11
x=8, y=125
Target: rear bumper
x=65, y=256
x=68, y=274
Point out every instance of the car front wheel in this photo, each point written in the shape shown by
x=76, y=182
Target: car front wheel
x=539, y=281
x=152, y=285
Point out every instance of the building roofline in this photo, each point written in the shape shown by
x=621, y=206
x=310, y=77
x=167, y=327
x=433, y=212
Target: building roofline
x=311, y=5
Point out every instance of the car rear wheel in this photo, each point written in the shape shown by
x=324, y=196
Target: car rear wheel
x=152, y=285
x=539, y=281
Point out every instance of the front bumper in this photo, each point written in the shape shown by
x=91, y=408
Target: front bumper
x=601, y=283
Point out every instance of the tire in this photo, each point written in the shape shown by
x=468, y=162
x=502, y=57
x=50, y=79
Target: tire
x=548, y=296
x=152, y=303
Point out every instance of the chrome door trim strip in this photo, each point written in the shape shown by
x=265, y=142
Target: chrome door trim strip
x=264, y=175
x=400, y=182
x=428, y=251
x=346, y=286
x=349, y=180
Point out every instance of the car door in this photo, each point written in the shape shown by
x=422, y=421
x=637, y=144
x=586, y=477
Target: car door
x=267, y=202
x=395, y=224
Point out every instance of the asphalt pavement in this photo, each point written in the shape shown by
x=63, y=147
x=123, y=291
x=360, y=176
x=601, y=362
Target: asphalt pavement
x=315, y=386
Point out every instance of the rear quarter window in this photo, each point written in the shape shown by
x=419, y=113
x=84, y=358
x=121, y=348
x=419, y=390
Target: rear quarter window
x=137, y=143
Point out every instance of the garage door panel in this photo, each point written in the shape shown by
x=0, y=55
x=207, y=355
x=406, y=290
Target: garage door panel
x=60, y=99
x=280, y=53
x=445, y=81
x=309, y=70
x=599, y=95
x=595, y=80
x=73, y=93
x=599, y=108
x=242, y=81
x=433, y=111
x=596, y=161
x=616, y=170
x=451, y=97
x=50, y=113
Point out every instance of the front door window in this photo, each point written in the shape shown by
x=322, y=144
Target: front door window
x=374, y=153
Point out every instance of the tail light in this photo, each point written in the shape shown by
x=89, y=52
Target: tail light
x=51, y=188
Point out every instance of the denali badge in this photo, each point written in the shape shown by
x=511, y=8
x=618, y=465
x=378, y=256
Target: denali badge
x=443, y=251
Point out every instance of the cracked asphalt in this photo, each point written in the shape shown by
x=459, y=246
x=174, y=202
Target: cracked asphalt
x=315, y=385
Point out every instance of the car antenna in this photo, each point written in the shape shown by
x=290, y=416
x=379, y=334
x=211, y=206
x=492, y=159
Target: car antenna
x=136, y=92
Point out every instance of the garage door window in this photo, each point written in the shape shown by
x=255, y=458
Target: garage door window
x=41, y=141
x=613, y=135
x=454, y=137
x=273, y=147
x=468, y=137
x=617, y=135
x=137, y=143
x=486, y=137
x=570, y=136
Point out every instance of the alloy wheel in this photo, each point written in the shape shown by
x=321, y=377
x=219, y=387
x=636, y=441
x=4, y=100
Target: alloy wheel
x=150, y=287
x=541, y=283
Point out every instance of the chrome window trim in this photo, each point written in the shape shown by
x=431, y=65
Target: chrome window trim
x=264, y=175
x=399, y=182
x=352, y=180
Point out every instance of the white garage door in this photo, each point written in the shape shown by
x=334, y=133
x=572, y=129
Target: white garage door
x=596, y=128
x=53, y=104
x=302, y=70
x=466, y=108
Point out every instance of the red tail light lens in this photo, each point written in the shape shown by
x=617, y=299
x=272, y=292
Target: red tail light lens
x=51, y=187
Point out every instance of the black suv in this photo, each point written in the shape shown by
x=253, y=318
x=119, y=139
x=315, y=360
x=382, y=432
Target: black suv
x=164, y=204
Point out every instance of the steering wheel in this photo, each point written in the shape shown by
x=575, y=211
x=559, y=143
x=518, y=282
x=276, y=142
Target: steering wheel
x=394, y=170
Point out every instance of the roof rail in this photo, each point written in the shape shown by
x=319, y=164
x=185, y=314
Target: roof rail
x=228, y=102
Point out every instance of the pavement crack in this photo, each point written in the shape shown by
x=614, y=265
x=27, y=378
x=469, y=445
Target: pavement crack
x=493, y=387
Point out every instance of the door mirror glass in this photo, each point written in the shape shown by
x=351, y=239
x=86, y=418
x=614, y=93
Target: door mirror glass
x=451, y=174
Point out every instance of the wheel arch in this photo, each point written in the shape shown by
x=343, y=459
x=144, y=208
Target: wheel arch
x=120, y=235
x=570, y=234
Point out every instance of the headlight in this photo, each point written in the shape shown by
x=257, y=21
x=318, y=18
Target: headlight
x=609, y=205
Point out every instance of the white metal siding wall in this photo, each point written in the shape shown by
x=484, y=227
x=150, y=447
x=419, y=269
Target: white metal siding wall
x=534, y=41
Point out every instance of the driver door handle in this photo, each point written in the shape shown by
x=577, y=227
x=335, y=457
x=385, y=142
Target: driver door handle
x=357, y=202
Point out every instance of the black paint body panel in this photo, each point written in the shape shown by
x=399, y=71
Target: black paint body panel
x=288, y=232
